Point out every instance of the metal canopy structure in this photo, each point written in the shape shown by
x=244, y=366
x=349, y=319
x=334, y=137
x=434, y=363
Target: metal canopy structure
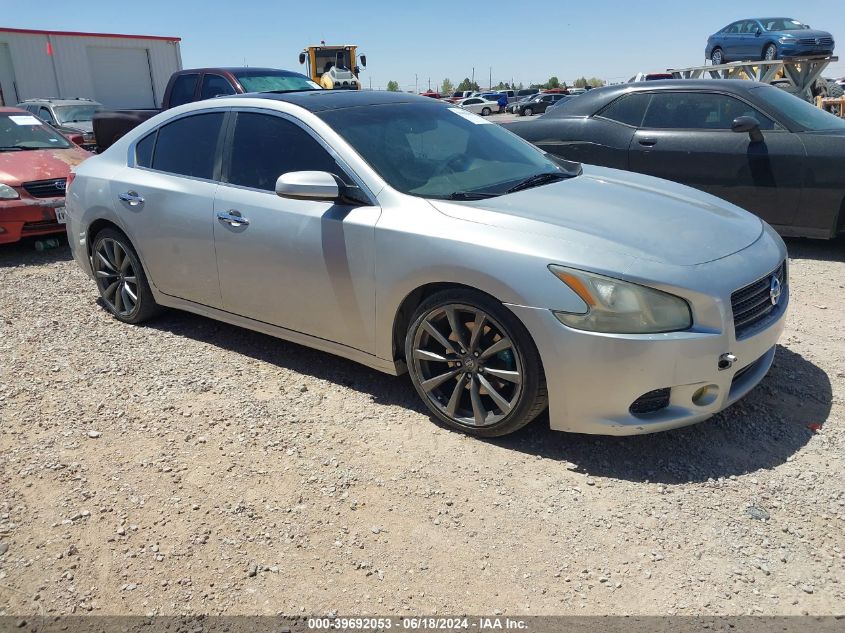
x=801, y=72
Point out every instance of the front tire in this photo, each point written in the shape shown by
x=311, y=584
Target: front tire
x=120, y=278
x=474, y=364
x=770, y=53
x=528, y=111
x=485, y=112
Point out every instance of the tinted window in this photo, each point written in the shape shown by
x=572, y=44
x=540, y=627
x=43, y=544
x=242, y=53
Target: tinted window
x=804, y=114
x=44, y=115
x=188, y=146
x=213, y=85
x=264, y=147
x=183, y=89
x=144, y=150
x=699, y=111
x=628, y=109
x=24, y=131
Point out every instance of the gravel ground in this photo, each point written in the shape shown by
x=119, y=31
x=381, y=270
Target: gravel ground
x=194, y=467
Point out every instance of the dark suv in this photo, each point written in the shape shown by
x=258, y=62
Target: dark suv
x=68, y=116
x=536, y=104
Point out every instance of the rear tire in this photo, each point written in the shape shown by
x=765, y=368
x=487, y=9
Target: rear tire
x=474, y=364
x=485, y=112
x=528, y=111
x=120, y=278
x=716, y=57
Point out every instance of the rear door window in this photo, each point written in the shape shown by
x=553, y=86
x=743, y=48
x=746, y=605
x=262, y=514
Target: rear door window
x=188, y=146
x=183, y=89
x=265, y=146
x=45, y=115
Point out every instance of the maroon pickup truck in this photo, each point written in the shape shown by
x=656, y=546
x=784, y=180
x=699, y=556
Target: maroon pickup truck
x=196, y=84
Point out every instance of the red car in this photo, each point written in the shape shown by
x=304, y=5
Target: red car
x=35, y=161
x=432, y=94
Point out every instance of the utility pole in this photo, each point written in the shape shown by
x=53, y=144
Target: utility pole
x=416, y=83
x=473, y=75
x=429, y=84
x=491, y=78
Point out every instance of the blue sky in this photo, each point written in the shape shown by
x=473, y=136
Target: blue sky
x=414, y=42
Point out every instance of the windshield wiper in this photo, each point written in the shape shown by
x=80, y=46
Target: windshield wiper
x=471, y=195
x=538, y=179
x=10, y=148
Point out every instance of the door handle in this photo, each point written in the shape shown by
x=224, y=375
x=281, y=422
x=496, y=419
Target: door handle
x=132, y=198
x=233, y=218
x=648, y=142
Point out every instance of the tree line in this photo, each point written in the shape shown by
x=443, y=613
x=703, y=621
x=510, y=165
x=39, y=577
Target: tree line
x=447, y=87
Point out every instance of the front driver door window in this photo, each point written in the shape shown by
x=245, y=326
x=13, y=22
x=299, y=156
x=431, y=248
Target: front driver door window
x=303, y=265
x=686, y=137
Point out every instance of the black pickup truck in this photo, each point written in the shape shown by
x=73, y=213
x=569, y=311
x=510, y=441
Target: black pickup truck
x=196, y=84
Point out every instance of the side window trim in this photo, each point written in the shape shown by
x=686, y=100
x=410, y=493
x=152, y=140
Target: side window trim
x=342, y=164
x=778, y=127
x=224, y=129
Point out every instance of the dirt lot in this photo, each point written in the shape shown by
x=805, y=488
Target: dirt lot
x=193, y=467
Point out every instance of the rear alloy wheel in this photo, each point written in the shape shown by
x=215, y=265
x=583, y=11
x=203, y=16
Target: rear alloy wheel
x=716, y=57
x=120, y=279
x=770, y=53
x=474, y=364
x=528, y=112
x=485, y=112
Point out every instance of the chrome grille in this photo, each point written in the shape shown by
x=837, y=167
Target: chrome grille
x=752, y=304
x=54, y=188
x=811, y=41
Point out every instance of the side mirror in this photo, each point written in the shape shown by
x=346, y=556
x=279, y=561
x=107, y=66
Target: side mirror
x=363, y=59
x=308, y=185
x=749, y=125
x=302, y=58
x=758, y=32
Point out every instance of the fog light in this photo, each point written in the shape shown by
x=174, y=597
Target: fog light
x=705, y=395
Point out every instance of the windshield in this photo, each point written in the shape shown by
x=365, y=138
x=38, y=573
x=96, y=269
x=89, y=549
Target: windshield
x=440, y=152
x=273, y=81
x=804, y=114
x=783, y=24
x=326, y=58
x=76, y=113
x=24, y=131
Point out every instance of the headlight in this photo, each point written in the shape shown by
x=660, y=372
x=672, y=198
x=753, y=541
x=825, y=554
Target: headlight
x=786, y=40
x=7, y=193
x=621, y=307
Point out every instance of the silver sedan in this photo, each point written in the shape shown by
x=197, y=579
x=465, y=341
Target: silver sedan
x=411, y=235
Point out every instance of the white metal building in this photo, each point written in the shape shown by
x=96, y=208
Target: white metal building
x=119, y=71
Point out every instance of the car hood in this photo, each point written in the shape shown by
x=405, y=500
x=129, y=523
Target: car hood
x=639, y=216
x=85, y=127
x=38, y=164
x=803, y=33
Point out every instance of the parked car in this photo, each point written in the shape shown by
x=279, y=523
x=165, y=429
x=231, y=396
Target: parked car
x=578, y=91
x=560, y=102
x=767, y=39
x=429, y=241
x=480, y=105
x=34, y=163
x=649, y=77
x=458, y=95
x=752, y=144
x=564, y=91
x=432, y=94
x=68, y=116
x=536, y=104
x=526, y=92
x=196, y=84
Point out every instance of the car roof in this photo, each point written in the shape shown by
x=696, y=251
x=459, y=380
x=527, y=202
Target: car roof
x=72, y=101
x=589, y=102
x=323, y=100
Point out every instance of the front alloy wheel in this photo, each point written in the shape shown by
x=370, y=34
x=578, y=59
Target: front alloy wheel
x=474, y=365
x=716, y=57
x=770, y=53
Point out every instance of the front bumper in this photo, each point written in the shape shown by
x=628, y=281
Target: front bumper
x=803, y=50
x=28, y=217
x=594, y=379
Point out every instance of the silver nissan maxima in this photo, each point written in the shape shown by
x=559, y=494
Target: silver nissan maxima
x=411, y=235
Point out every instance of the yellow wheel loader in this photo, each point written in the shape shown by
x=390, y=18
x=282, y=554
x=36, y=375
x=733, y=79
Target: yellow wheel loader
x=334, y=67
